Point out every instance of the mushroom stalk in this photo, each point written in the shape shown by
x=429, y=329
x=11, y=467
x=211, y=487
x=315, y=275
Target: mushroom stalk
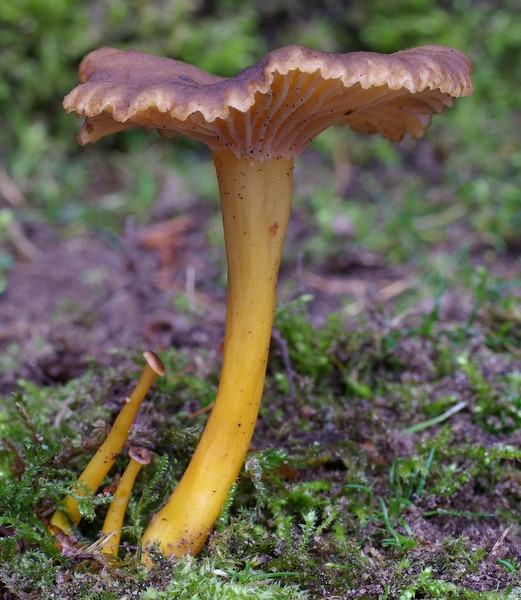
x=115, y=516
x=255, y=200
x=105, y=456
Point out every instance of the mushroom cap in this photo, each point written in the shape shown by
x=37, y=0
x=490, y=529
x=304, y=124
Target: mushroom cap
x=140, y=455
x=154, y=362
x=275, y=107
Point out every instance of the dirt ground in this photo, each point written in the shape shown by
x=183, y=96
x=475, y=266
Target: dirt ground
x=80, y=297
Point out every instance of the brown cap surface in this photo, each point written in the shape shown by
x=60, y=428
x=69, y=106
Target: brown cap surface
x=273, y=108
x=154, y=362
x=140, y=455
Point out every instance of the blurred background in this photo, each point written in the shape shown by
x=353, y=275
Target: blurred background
x=425, y=216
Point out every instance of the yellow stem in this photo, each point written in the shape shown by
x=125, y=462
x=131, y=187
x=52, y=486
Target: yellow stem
x=115, y=516
x=102, y=461
x=116, y=513
x=255, y=200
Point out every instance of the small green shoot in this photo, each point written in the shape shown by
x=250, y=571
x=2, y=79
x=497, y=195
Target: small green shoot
x=421, y=426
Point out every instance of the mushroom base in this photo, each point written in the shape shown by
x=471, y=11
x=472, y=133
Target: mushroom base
x=256, y=202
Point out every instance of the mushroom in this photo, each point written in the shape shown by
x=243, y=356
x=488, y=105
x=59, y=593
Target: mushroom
x=104, y=458
x=116, y=513
x=255, y=124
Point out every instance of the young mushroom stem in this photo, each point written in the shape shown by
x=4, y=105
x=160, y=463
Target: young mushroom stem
x=255, y=200
x=116, y=513
x=102, y=461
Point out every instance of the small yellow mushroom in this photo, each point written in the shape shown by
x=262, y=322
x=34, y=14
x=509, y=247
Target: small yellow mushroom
x=116, y=513
x=102, y=461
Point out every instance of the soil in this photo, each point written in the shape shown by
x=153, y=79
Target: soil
x=80, y=297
